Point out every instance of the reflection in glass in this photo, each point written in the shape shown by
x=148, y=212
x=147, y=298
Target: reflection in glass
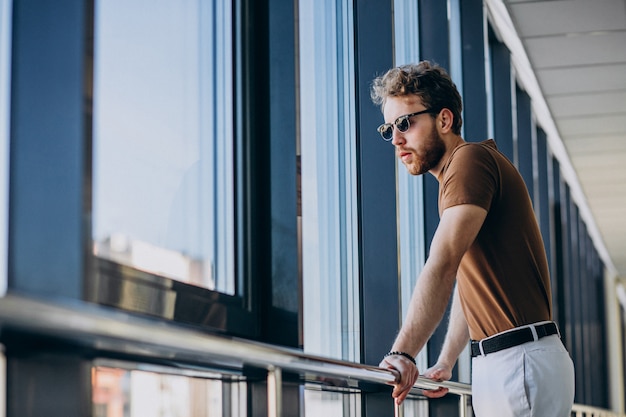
x=132, y=393
x=328, y=403
x=163, y=141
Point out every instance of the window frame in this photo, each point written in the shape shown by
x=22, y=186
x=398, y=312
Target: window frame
x=50, y=245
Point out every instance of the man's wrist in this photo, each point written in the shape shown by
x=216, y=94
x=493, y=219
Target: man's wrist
x=401, y=353
x=446, y=363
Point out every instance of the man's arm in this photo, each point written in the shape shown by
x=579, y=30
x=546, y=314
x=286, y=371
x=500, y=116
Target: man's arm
x=454, y=343
x=457, y=229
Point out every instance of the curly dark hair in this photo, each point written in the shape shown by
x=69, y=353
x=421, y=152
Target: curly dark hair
x=428, y=81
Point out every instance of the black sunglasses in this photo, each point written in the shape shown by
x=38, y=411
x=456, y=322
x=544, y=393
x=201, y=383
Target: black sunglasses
x=401, y=123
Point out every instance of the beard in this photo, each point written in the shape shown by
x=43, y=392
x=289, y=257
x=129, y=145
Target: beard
x=430, y=152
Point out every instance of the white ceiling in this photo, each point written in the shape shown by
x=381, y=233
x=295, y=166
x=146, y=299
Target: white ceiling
x=577, y=52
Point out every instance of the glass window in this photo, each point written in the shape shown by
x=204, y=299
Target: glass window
x=456, y=44
x=163, y=139
x=501, y=100
x=120, y=392
x=5, y=65
x=329, y=403
x=328, y=193
x=328, y=179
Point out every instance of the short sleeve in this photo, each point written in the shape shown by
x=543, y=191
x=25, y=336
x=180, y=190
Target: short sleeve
x=470, y=177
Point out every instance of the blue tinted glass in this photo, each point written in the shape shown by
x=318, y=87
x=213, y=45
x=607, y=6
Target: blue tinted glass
x=163, y=139
x=328, y=155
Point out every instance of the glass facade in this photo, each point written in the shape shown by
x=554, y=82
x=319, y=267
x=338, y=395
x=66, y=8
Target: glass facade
x=162, y=185
x=327, y=152
x=328, y=166
x=217, y=163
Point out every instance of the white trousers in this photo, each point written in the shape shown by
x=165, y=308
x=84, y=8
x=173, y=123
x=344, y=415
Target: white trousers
x=535, y=379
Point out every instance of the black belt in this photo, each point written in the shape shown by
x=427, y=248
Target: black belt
x=512, y=338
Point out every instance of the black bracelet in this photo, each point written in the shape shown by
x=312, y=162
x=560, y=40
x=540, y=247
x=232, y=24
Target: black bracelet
x=406, y=355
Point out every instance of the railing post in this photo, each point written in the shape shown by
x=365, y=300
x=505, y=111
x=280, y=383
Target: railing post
x=463, y=405
x=398, y=409
x=274, y=392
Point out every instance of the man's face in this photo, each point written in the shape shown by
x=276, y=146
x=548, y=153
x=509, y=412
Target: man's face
x=420, y=147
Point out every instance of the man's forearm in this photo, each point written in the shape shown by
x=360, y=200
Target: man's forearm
x=457, y=335
x=428, y=303
x=456, y=231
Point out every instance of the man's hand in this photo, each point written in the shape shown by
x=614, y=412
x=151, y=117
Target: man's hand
x=437, y=373
x=407, y=375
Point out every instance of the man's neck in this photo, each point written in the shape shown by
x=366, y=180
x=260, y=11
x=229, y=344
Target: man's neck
x=452, y=142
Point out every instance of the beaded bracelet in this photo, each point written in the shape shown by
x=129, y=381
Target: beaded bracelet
x=406, y=355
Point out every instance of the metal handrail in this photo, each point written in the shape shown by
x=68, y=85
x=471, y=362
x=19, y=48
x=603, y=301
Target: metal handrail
x=115, y=332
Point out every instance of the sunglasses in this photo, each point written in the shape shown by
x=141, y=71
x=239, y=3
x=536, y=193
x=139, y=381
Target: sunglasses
x=401, y=123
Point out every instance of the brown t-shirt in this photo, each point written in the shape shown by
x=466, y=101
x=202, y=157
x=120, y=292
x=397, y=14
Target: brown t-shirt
x=503, y=279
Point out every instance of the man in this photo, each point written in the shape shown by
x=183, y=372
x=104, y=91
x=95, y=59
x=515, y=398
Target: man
x=487, y=251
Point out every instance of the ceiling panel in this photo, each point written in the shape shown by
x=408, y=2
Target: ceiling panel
x=594, y=178
x=596, y=144
x=600, y=160
x=592, y=125
x=593, y=48
x=541, y=18
x=586, y=79
x=601, y=190
x=594, y=103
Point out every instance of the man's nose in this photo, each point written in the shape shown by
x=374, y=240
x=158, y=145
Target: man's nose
x=397, y=138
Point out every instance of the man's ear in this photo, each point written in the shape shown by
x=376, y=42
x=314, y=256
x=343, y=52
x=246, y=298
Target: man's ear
x=445, y=120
